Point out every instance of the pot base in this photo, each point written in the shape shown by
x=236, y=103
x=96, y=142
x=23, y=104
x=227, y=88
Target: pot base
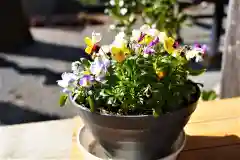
x=92, y=150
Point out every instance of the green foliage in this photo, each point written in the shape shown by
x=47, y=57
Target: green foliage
x=163, y=14
x=135, y=75
x=134, y=88
x=208, y=95
x=63, y=99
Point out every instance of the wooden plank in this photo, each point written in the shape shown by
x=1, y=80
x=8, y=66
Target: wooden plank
x=213, y=133
x=230, y=84
x=217, y=153
x=216, y=110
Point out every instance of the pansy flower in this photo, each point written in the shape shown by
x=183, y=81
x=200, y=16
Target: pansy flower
x=168, y=44
x=86, y=81
x=77, y=67
x=160, y=74
x=67, y=81
x=99, y=68
x=119, y=48
x=91, y=43
x=196, y=53
x=149, y=49
x=118, y=54
x=203, y=48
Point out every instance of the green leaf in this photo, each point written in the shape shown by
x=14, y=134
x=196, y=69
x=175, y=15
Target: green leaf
x=91, y=103
x=156, y=112
x=208, y=95
x=85, y=62
x=196, y=72
x=63, y=99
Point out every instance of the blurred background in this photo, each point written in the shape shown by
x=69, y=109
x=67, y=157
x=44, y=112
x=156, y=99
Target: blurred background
x=40, y=38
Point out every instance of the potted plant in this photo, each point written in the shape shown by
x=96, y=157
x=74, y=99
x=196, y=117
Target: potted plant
x=134, y=94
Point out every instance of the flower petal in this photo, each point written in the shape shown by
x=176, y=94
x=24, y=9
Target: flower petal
x=88, y=50
x=144, y=28
x=62, y=83
x=168, y=45
x=135, y=35
x=96, y=37
x=115, y=50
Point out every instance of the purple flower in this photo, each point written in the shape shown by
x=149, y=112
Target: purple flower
x=67, y=80
x=148, y=50
x=203, y=48
x=154, y=42
x=86, y=81
x=141, y=37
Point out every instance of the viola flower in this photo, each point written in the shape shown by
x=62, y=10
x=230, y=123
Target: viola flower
x=196, y=53
x=77, y=67
x=154, y=42
x=99, y=68
x=203, y=48
x=149, y=49
x=103, y=54
x=67, y=79
x=162, y=36
x=86, y=81
x=160, y=74
x=153, y=32
x=137, y=35
x=145, y=37
x=92, y=43
x=118, y=54
x=169, y=44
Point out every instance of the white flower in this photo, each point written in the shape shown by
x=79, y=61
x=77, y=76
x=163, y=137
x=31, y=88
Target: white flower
x=67, y=80
x=120, y=35
x=121, y=3
x=77, y=67
x=153, y=32
x=199, y=58
x=145, y=28
x=195, y=53
x=96, y=37
x=119, y=41
x=190, y=54
x=112, y=2
x=135, y=35
x=104, y=50
x=162, y=36
x=123, y=11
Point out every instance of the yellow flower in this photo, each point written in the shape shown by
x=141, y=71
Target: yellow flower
x=168, y=44
x=147, y=39
x=160, y=74
x=86, y=73
x=118, y=54
x=91, y=42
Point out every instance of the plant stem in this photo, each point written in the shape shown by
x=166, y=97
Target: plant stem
x=91, y=103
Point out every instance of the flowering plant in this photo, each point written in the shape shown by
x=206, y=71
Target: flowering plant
x=146, y=73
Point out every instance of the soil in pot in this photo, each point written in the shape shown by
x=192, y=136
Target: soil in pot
x=144, y=136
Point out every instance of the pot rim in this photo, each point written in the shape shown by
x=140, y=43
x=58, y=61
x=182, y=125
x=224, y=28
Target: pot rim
x=124, y=116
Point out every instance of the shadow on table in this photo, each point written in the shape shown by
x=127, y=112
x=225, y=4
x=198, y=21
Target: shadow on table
x=53, y=51
x=44, y=50
x=211, y=148
x=14, y=114
x=50, y=76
